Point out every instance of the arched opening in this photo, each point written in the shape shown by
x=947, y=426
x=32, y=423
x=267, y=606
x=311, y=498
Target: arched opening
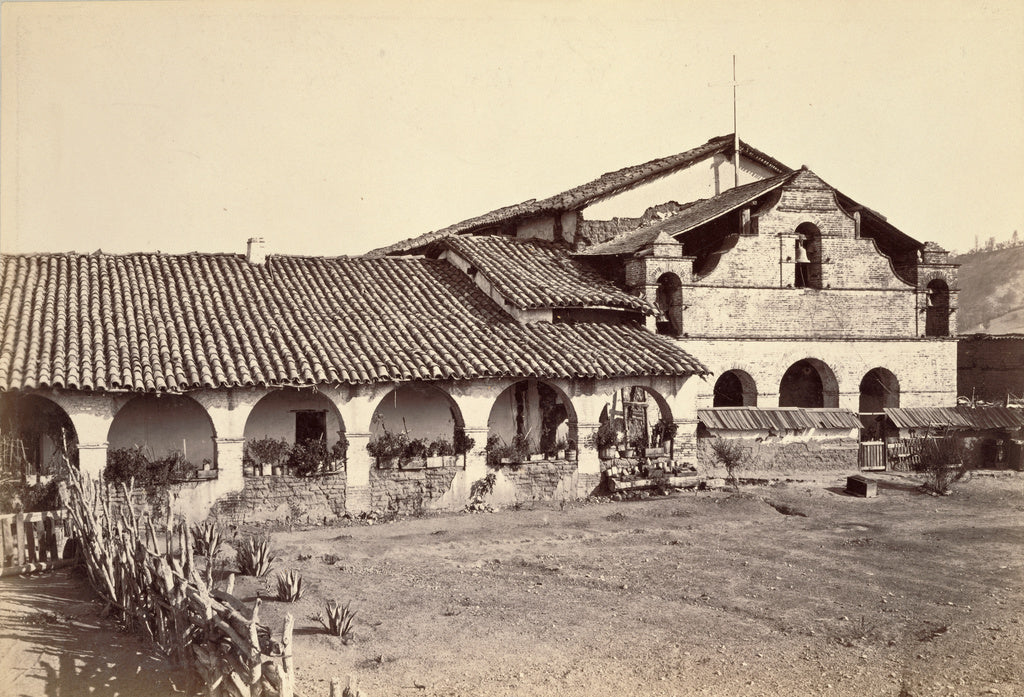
x=37, y=438
x=158, y=439
x=879, y=389
x=810, y=384
x=635, y=418
x=287, y=418
x=937, y=308
x=530, y=417
x=807, y=255
x=735, y=388
x=670, y=302
x=415, y=421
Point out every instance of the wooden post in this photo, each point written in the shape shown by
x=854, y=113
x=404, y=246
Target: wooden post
x=19, y=537
x=5, y=541
x=287, y=665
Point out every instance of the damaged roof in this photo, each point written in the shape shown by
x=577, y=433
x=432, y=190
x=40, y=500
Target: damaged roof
x=692, y=216
x=156, y=322
x=603, y=187
x=534, y=274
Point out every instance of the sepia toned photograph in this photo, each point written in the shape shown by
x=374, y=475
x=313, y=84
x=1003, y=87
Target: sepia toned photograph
x=511, y=348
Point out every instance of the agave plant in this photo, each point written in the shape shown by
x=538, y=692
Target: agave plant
x=289, y=586
x=254, y=557
x=339, y=619
x=206, y=539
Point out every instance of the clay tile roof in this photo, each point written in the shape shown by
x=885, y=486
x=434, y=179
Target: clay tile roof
x=153, y=322
x=534, y=274
x=579, y=197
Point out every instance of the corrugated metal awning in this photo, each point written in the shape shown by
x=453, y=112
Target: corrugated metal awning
x=791, y=418
x=981, y=418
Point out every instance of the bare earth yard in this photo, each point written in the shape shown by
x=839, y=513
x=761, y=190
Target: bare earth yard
x=791, y=589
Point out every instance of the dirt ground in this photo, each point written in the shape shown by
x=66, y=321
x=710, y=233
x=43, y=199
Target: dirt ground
x=788, y=589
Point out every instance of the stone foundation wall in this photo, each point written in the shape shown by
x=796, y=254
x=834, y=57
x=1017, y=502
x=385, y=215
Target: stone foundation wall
x=810, y=455
x=409, y=491
x=284, y=497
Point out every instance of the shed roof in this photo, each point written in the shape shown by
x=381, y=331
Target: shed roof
x=764, y=418
x=154, y=322
x=960, y=417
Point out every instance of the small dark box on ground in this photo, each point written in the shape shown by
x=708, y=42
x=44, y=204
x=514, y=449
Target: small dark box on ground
x=859, y=485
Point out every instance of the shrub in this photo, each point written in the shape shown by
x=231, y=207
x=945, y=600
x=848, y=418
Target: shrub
x=731, y=455
x=206, y=539
x=127, y=464
x=482, y=487
x=461, y=442
x=254, y=557
x=339, y=619
x=942, y=463
x=289, y=586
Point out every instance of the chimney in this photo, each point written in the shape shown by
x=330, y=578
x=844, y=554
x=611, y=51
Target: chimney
x=256, y=251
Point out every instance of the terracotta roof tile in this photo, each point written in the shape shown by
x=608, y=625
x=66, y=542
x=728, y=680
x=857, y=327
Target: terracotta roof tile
x=533, y=274
x=175, y=322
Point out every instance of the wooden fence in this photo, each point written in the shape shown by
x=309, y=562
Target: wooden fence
x=32, y=541
x=904, y=455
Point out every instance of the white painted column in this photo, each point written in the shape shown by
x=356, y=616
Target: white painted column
x=588, y=408
x=357, y=474
x=356, y=405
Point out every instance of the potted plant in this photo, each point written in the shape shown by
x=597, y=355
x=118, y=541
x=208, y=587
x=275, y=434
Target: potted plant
x=265, y=453
x=605, y=438
x=561, y=445
x=570, y=450
x=521, y=448
x=414, y=455
x=387, y=448
x=439, y=453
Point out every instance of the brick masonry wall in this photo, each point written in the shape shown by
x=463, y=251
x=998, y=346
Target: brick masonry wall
x=926, y=369
x=750, y=291
x=989, y=367
x=774, y=454
x=284, y=497
x=409, y=491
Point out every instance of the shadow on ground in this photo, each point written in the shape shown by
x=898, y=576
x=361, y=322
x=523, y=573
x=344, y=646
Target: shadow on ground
x=56, y=642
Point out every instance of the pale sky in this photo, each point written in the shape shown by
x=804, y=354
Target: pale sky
x=336, y=127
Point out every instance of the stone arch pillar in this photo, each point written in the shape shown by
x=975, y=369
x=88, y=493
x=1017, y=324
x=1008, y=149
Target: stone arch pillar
x=229, y=410
x=355, y=405
x=91, y=414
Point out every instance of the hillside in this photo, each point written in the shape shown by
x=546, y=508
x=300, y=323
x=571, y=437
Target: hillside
x=991, y=291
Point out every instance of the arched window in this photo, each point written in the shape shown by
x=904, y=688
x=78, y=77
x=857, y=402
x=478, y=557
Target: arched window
x=735, y=388
x=810, y=384
x=670, y=302
x=937, y=309
x=807, y=255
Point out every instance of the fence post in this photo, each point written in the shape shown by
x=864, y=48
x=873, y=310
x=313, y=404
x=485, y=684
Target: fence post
x=19, y=538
